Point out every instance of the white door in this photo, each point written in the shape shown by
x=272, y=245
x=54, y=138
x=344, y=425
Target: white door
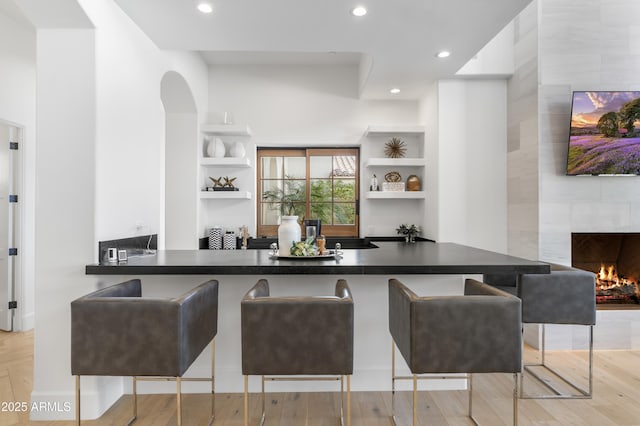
x=7, y=212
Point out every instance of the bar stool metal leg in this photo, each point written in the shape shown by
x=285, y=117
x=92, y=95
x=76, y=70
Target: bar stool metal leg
x=78, y=400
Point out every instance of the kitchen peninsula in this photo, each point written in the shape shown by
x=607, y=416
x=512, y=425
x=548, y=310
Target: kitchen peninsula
x=428, y=268
x=386, y=258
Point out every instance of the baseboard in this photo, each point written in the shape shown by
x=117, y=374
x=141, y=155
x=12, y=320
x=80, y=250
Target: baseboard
x=49, y=406
x=28, y=322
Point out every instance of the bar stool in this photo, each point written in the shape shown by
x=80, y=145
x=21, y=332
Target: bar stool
x=565, y=296
x=117, y=332
x=479, y=332
x=293, y=336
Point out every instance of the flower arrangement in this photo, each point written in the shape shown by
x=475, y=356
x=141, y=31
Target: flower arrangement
x=409, y=231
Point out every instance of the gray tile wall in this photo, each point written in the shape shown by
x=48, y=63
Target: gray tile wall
x=583, y=45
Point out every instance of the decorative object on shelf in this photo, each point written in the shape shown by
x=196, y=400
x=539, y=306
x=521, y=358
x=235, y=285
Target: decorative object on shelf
x=227, y=118
x=393, y=182
x=288, y=234
x=215, y=238
x=395, y=148
x=374, y=184
x=237, y=151
x=413, y=183
x=219, y=185
x=392, y=177
x=229, y=241
x=392, y=186
x=409, y=231
x=216, y=148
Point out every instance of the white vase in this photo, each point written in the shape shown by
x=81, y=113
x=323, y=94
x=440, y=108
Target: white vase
x=238, y=150
x=288, y=233
x=216, y=148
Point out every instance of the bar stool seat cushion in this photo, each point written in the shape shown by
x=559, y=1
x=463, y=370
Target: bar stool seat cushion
x=117, y=332
x=297, y=335
x=457, y=334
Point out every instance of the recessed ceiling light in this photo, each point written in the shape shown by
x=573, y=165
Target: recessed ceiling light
x=395, y=90
x=443, y=54
x=359, y=11
x=205, y=7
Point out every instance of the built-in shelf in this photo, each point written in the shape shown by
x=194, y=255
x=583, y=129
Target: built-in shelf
x=225, y=162
x=385, y=195
x=394, y=162
x=394, y=129
x=226, y=129
x=220, y=195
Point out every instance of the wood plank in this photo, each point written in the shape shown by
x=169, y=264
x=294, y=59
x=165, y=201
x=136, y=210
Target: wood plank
x=615, y=401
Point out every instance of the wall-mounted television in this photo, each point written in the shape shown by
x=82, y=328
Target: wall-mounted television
x=605, y=134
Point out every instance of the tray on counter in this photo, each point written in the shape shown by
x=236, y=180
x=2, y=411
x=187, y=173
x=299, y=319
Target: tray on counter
x=332, y=255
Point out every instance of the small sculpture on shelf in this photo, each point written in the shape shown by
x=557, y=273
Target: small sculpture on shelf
x=393, y=182
x=219, y=185
x=395, y=148
x=374, y=184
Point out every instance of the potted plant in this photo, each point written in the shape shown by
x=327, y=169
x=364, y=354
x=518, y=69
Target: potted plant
x=409, y=231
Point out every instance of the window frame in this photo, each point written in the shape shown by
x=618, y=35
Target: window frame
x=349, y=230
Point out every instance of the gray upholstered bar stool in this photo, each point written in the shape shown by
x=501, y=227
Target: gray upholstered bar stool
x=297, y=336
x=479, y=332
x=117, y=332
x=565, y=296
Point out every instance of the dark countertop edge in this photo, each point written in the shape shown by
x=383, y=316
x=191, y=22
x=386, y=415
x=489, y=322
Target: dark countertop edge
x=222, y=270
x=312, y=270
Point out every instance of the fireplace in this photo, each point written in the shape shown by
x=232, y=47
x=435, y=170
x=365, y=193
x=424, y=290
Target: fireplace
x=615, y=259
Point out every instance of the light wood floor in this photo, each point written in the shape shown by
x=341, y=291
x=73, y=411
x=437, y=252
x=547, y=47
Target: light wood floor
x=616, y=398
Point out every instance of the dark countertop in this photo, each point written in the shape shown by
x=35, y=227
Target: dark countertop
x=390, y=258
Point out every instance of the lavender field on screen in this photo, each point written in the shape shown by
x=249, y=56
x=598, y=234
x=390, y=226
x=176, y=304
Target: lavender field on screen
x=597, y=154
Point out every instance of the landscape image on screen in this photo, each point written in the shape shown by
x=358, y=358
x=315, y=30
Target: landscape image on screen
x=605, y=133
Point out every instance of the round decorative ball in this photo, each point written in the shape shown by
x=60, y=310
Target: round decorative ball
x=413, y=183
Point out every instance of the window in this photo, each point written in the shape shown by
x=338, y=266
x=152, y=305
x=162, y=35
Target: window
x=314, y=183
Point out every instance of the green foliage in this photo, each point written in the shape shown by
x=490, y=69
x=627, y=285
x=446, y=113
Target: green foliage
x=411, y=230
x=629, y=114
x=322, y=196
x=608, y=124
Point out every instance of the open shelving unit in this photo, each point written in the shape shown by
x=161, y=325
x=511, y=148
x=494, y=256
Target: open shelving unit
x=225, y=162
x=378, y=134
x=387, y=195
x=226, y=129
x=225, y=195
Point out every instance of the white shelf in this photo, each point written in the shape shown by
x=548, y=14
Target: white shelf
x=395, y=162
x=385, y=195
x=226, y=129
x=394, y=129
x=220, y=195
x=225, y=162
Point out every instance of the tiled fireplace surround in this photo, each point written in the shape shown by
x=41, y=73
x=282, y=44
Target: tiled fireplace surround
x=617, y=324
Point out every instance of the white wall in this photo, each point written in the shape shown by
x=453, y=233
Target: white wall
x=130, y=122
x=298, y=105
x=471, y=146
x=66, y=196
x=17, y=106
x=100, y=171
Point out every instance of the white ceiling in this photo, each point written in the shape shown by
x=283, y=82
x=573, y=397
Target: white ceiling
x=397, y=38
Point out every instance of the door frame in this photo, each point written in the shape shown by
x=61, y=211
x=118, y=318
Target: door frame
x=18, y=223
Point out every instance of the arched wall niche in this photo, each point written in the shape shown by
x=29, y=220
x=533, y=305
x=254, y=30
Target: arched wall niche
x=180, y=164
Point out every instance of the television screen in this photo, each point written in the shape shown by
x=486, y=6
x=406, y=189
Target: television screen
x=605, y=134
